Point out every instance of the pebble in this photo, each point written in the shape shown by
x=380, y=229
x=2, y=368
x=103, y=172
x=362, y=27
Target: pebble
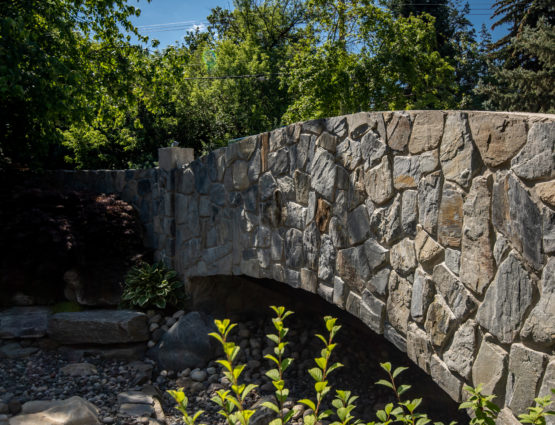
x=198, y=375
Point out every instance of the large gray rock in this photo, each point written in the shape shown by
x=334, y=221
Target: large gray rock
x=460, y=353
x=406, y=172
x=348, y=154
x=398, y=302
x=326, y=262
x=506, y=300
x=459, y=299
x=352, y=266
x=294, y=253
x=372, y=311
x=548, y=226
x=439, y=322
x=526, y=368
x=427, y=130
x=445, y=379
x=98, y=327
x=429, y=191
x=489, y=369
x=536, y=159
x=378, y=182
x=540, y=325
x=372, y=149
x=450, y=219
x=548, y=383
x=419, y=347
x=386, y=224
x=497, y=137
x=409, y=211
x=477, y=265
x=402, y=257
x=186, y=344
x=398, y=131
x=456, y=153
x=518, y=218
x=422, y=295
x=24, y=322
x=323, y=173
x=311, y=244
x=358, y=225
x=73, y=411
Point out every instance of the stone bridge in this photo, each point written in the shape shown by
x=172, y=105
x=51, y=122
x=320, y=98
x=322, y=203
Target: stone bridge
x=434, y=228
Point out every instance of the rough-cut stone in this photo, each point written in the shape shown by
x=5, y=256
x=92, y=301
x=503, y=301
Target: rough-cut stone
x=240, y=175
x=309, y=280
x=506, y=417
x=339, y=292
x=419, y=348
x=477, y=265
x=540, y=325
x=526, y=368
x=548, y=383
x=439, y=321
x=311, y=244
x=378, y=283
x=501, y=248
x=323, y=215
x=358, y=225
x=453, y=260
x=506, y=300
x=24, y=322
x=376, y=255
x=372, y=311
x=422, y=296
x=445, y=379
x=326, y=262
x=372, y=149
x=429, y=161
x=294, y=215
x=489, y=370
x=73, y=411
x=548, y=227
x=276, y=246
x=254, y=167
x=356, y=193
x=428, y=251
x=294, y=256
x=450, y=218
x=267, y=186
x=546, y=192
x=287, y=187
x=385, y=222
x=323, y=174
x=456, y=154
x=278, y=162
x=352, y=266
x=403, y=257
x=406, y=172
x=409, y=211
x=327, y=141
x=338, y=233
x=427, y=130
x=536, y=159
x=378, y=182
x=348, y=154
x=396, y=338
x=302, y=187
x=398, y=131
x=98, y=327
x=460, y=353
x=458, y=298
x=352, y=305
x=398, y=302
x=429, y=191
x=497, y=137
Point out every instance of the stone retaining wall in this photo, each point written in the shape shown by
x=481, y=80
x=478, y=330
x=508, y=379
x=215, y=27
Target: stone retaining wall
x=435, y=228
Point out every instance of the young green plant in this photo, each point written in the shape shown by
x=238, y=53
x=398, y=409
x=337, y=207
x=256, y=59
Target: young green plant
x=231, y=402
x=344, y=404
x=276, y=374
x=320, y=373
x=182, y=402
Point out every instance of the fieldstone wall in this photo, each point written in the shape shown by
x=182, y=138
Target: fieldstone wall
x=434, y=228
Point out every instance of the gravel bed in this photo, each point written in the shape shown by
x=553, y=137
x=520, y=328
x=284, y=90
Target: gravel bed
x=39, y=376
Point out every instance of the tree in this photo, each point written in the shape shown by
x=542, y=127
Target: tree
x=54, y=56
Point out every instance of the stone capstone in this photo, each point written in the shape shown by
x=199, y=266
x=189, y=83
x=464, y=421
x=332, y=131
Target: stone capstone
x=98, y=327
x=427, y=130
x=536, y=159
x=506, y=300
x=186, y=344
x=398, y=131
x=498, y=138
x=456, y=153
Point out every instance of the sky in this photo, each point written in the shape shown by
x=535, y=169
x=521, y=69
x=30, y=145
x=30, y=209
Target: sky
x=169, y=20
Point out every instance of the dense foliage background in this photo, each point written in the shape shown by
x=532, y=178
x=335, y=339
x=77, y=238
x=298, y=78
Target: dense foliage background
x=76, y=92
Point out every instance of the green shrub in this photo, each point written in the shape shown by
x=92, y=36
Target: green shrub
x=152, y=286
x=232, y=402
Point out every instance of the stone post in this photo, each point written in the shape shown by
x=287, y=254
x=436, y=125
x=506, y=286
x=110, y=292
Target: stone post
x=170, y=160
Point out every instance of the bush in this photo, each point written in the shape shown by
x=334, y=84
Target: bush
x=152, y=286
x=232, y=402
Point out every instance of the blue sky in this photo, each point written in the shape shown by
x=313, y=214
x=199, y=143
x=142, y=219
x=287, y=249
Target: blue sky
x=169, y=20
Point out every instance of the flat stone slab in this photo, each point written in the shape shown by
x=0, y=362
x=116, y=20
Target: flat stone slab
x=73, y=411
x=98, y=327
x=24, y=322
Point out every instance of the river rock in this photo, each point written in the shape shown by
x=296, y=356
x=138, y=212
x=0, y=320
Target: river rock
x=73, y=411
x=186, y=344
x=98, y=327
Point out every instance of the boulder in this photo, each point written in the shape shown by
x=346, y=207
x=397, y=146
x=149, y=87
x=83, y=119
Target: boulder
x=24, y=322
x=73, y=411
x=98, y=327
x=186, y=344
